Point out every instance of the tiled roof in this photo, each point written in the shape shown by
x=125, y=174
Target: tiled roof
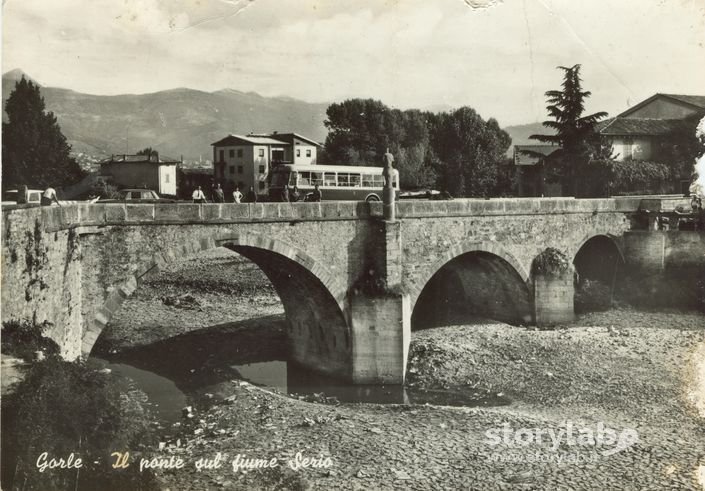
x=532, y=154
x=248, y=140
x=695, y=100
x=130, y=159
x=263, y=139
x=642, y=126
x=545, y=150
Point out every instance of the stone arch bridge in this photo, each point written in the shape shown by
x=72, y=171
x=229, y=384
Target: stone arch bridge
x=351, y=283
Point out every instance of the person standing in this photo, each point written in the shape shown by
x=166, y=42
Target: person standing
x=316, y=196
x=251, y=195
x=198, y=196
x=218, y=196
x=295, y=195
x=285, y=194
x=237, y=195
x=49, y=196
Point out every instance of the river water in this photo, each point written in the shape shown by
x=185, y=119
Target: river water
x=169, y=390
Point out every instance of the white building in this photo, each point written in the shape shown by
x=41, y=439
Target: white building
x=246, y=161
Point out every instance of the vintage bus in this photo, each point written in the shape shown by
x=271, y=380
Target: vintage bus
x=336, y=182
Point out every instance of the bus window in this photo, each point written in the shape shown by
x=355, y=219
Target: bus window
x=292, y=178
x=378, y=181
x=304, y=178
x=317, y=178
x=329, y=179
x=355, y=180
x=368, y=180
x=343, y=179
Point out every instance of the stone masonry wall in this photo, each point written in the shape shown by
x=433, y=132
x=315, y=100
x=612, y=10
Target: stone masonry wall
x=41, y=272
x=515, y=230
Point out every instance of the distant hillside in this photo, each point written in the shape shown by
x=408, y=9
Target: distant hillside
x=520, y=134
x=176, y=122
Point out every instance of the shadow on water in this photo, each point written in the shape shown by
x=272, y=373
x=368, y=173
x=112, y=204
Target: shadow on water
x=174, y=371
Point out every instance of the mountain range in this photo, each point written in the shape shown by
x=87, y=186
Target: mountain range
x=181, y=122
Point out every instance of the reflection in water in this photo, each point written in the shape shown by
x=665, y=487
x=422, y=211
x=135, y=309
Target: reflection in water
x=175, y=371
x=164, y=399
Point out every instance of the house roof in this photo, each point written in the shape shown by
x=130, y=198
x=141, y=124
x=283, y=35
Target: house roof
x=290, y=136
x=247, y=140
x=695, y=101
x=263, y=139
x=642, y=126
x=137, y=159
x=544, y=150
x=532, y=154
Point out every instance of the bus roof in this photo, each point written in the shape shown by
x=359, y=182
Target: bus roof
x=329, y=168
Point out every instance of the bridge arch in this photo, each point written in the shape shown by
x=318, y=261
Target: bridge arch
x=598, y=257
x=480, y=275
x=313, y=298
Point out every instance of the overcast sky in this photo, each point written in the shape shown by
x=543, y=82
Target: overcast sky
x=407, y=53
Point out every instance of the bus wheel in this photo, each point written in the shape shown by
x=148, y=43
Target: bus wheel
x=371, y=198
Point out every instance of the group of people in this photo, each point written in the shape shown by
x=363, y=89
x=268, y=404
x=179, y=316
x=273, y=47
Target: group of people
x=218, y=195
x=293, y=195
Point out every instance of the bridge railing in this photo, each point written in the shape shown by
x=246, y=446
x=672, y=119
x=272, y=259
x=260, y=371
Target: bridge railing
x=86, y=214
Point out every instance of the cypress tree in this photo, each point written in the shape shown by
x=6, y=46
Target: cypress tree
x=34, y=151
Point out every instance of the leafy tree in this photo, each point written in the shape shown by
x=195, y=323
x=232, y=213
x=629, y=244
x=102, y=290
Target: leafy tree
x=459, y=152
x=470, y=151
x=150, y=152
x=361, y=130
x=575, y=132
x=34, y=151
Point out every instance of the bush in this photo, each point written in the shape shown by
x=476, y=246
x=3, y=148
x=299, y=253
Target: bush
x=551, y=262
x=24, y=339
x=62, y=408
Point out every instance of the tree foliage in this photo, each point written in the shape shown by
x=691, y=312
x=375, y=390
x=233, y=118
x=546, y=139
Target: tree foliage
x=34, y=151
x=574, y=132
x=150, y=152
x=61, y=408
x=606, y=177
x=458, y=152
x=470, y=152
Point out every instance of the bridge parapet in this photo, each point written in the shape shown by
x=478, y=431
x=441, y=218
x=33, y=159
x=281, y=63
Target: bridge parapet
x=85, y=214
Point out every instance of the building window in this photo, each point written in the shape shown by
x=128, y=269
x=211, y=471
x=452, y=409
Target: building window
x=261, y=186
x=261, y=152
x=239, y=152
x=261, y=169
x=308, y=152
x=232, y=152
x=232, y=169
x=298, y=152
x=222, y=155
x=239, y=169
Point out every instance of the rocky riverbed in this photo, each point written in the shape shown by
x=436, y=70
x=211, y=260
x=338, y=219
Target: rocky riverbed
x=637, y=374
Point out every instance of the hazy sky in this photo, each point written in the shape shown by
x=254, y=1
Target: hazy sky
x=407, y=53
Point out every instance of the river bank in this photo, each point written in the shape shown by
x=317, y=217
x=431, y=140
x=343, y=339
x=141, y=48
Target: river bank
x=632, y=372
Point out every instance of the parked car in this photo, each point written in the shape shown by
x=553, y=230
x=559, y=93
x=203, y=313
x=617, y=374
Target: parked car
x=137, y=196
x=34, y=197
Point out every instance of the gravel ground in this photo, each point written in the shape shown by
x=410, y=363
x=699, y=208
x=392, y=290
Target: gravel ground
x=627, y=369
x=216, y=287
